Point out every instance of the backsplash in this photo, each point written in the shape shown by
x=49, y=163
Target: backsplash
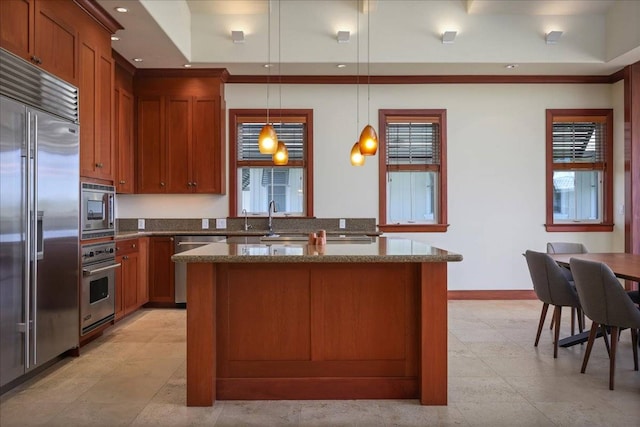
x=332, y=225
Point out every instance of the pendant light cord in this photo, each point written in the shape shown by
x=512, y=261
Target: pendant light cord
x=280, y=60
x=368, y=62
x=268, y=54
x=358, y=70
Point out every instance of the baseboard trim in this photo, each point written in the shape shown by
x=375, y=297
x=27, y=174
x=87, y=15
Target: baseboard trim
x=491, y=294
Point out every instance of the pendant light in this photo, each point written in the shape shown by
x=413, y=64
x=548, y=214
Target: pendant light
x=268, y=138
x=281, y=156
x=356, y=157
x=368, y=141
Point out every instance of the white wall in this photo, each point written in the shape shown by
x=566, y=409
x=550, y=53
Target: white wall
x=496, y=167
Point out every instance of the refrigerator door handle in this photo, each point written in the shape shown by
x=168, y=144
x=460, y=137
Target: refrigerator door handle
x=37, y=230
x=28, y=196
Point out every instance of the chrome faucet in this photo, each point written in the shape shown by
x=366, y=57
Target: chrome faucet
x=246, y=223
x=271, y=203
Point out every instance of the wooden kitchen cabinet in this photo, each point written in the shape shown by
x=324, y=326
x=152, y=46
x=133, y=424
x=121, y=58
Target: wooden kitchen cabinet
x=123, y=130
x=43, y=33
x=97, y=148
x=132, y=276
x=161, y=271
x=180, y=134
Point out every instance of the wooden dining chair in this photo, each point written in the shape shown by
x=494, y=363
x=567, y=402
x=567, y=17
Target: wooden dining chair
x=552, y=288
x=605, y=302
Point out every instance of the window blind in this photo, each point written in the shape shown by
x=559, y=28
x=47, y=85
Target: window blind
x=579, y=142
x=292, y=134
x=412, y=143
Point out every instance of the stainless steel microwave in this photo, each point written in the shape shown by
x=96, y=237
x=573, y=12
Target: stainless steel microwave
x=97, y=210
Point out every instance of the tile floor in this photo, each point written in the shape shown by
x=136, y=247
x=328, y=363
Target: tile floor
x=135, y=375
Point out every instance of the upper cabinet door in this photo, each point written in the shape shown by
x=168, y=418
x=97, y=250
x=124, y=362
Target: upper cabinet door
x=56, y=41
x=151, y=145
x=207, y=152
x=124, y=141
x=178, y=131
x=16, y=27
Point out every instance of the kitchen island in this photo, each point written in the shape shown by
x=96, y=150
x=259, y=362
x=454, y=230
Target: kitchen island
x=340, y=321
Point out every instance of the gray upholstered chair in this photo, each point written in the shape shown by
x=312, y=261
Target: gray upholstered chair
x=568, y=248
x=605, y=302
x=552, y=288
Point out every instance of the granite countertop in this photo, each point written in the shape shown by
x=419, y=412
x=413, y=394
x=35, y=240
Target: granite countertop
x=381, y=249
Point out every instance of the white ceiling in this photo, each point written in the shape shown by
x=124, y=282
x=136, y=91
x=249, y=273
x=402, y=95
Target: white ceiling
x=599, y=36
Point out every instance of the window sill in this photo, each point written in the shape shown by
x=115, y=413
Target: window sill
x=578, y=227
x=413, y=228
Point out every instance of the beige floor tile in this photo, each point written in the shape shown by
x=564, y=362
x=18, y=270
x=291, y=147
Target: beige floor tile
x=135, y=375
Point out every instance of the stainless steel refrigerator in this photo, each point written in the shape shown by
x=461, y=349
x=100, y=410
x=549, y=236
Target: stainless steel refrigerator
x=39, y=201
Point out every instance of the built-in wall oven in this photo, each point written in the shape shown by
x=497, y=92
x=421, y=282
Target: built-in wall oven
x=97, y=210
x=97, y=300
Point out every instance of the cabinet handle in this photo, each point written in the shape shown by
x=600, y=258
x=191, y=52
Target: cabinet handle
x=125, y=257
x=122, y=182
x=195, y=184
x=99, y=165
x=189, y=184
x=133, y=245
x=162, y=184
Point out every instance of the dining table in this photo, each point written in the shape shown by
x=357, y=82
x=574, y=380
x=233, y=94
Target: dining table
x=624, y=266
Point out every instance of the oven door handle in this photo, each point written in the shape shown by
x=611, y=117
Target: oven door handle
x=87, y=272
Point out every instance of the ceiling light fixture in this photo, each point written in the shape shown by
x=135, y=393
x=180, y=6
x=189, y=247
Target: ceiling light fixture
x=553, y=37
x=187, y=65
x=138, y=59
x=122, y=9
x=268, y=138
x=449, y=37
x=341, y=65
x=343, y=36
x=368, y=137
x=115, y=38
x=511, y=66
x=237, y=36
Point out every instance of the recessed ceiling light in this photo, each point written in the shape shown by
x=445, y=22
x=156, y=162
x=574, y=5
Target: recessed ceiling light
x=341, y=65
x=511, y=66
x=137, y=59
x=115, y=38
x=122, y=9
x=187, y=65
x=268, y=65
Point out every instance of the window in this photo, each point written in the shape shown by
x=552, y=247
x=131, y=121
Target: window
x=413, y=173
x=579, y=170
x=254, y=179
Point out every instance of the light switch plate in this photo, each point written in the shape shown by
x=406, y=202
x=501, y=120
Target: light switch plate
x=141, y=224
x=221, y=223
x=205, y=223
x=342, y=223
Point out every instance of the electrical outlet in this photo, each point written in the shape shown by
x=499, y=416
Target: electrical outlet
x=221, y=223
x=205, y=223
x=342, y=223
x=141, y=224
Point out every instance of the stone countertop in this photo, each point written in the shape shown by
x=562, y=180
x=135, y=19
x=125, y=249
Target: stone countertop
x=382, y=249
x=121, y=235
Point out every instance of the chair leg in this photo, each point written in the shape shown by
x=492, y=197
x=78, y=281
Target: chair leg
x=557, y=313
x=612, y=356
x=573, y=321
x=634, y=344
x=605, y=337
x=580, y=320
x=553, y=319
x=543, y=315
x=587, y=353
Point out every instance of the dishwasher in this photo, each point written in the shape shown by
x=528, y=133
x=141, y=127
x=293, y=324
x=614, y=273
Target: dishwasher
x=182, y=244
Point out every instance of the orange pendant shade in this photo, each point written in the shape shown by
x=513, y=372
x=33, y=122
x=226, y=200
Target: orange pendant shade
x=368, y=141
x=281, y=156
x=357, y=159
x=268, y=140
